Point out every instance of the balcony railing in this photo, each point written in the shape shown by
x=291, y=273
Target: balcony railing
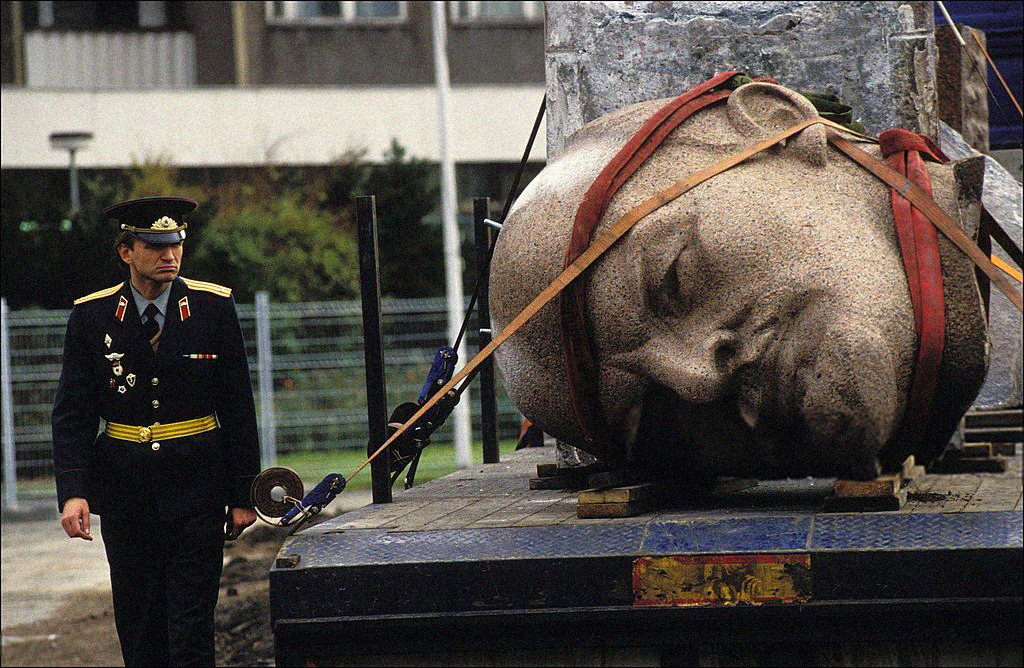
x=110, y=60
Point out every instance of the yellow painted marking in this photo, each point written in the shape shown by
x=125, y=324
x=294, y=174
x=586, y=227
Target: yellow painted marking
x=731, y=579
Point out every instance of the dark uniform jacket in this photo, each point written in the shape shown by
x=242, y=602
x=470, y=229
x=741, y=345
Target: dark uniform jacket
x=111, y=373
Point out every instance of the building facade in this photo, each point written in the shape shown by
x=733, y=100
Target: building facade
x=212, y=84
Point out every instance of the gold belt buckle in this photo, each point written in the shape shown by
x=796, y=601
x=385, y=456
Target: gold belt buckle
x=145, y=434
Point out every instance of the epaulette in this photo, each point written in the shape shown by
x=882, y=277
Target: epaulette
x=99, y=294
x=208, y=287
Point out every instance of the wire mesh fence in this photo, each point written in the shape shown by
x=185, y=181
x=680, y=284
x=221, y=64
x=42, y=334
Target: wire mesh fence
x=316, y=366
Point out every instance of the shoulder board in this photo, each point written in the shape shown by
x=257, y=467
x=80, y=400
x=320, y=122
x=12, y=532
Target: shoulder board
x=99, y=294
x=208, y=287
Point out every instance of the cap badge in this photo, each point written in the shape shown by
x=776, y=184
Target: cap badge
x=165, y=223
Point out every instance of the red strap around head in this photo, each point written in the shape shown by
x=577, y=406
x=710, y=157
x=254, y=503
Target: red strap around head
x=897, y=140
x=580, y=362
x=922, y=263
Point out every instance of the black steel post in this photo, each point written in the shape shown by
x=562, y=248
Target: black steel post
x=376, y=388
x=488, y=404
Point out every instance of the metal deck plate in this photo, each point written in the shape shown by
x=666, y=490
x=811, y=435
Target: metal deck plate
x=480, y=543
x=489, y=512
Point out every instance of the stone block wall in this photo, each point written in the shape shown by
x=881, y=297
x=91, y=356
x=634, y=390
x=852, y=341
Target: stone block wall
x=879, y=57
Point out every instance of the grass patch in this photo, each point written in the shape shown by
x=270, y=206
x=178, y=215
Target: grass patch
x=438, y=460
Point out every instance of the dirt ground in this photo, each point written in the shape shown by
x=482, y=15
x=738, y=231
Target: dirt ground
x=82, y=632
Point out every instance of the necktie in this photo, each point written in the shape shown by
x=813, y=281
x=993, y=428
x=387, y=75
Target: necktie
x=150, y=326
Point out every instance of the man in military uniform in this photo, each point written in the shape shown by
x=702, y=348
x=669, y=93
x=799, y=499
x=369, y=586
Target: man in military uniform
x=160, y=359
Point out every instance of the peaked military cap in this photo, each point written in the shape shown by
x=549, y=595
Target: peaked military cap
x=157, y=220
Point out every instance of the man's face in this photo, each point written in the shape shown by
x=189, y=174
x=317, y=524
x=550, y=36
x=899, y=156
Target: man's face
x=159, y=263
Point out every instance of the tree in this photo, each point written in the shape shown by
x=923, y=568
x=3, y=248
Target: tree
x=287, y=230
x=293, y=251
x=411, y=247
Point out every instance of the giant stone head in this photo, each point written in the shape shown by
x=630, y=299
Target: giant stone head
x=758, y=325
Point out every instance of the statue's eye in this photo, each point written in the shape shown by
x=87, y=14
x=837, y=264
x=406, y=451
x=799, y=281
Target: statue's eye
x=669, y=251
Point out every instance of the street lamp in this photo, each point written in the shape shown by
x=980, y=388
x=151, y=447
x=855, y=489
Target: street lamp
x=71, y=142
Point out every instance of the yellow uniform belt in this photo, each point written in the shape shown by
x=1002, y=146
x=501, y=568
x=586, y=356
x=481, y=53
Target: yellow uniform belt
x=160, y=432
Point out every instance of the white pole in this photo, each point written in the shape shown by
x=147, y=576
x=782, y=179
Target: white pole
x=265, y=376
x=452, y=254
x=10, y=453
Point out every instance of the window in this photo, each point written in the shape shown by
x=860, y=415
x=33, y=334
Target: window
x=495, y=10
x=338, y=11
x=100, y=16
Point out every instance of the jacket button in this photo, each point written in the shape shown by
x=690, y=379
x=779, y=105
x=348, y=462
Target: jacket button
x=155, y=446
x=155, y=381
x=156, y=403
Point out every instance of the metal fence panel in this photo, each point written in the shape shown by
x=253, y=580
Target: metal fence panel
x=319, y=393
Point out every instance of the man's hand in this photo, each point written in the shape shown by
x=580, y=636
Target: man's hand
x=75, y=518
x=237, y=520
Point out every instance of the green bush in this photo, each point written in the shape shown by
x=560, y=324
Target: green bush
x=293, y=251
x=287, y=230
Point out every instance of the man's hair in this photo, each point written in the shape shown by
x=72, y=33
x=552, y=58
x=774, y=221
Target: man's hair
x=124, y=238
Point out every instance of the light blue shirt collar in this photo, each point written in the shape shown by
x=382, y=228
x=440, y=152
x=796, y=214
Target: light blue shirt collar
x=161, y=303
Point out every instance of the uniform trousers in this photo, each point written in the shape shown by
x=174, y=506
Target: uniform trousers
x=165, y=578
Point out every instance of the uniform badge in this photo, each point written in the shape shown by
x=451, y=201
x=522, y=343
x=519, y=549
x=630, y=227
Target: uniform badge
x=183, y=308
x=122, y=304
x=107, y=340
x=130, y=379
x=112, y=384
x=115, y=360
x=121, y=389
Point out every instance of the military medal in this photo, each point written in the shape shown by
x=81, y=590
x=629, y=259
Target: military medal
x=112, y=383
x=130, y=379
x=115, y=360
x=121, y=389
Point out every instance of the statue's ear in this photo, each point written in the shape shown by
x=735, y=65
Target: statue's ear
x=759, y=110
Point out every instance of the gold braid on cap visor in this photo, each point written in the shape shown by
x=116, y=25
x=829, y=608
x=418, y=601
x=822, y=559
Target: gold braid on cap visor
x=165, y=224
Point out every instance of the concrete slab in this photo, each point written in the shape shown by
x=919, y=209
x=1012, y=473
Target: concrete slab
x=43, y=569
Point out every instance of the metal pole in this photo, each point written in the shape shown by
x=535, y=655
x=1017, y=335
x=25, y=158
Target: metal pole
x=265, y=374
x=450, y=227
x=488, y=403
x=238, y=26
x=373, y=347
x=75, y=203
x=10, y=447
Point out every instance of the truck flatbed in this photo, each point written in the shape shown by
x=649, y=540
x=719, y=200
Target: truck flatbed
x=478, y=569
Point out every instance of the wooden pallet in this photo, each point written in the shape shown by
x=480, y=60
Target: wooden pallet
x=628, y=501
x=886, y=492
